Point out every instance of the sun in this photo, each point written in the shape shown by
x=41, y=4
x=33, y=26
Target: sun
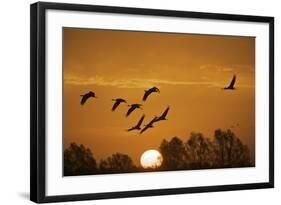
x=151, y=159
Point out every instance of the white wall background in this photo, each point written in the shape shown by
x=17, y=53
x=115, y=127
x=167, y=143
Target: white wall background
x=14, y=102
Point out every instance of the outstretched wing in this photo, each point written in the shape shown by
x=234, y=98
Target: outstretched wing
x=84, y=99
x=231, y=85
x=155, y=119
x=140, y=121
x=133, y=128
x=146, y=94
x=164, y=114
x=116, y=104
x=130, y=110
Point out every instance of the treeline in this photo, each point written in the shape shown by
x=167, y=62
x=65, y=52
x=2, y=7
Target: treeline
x=225, y=150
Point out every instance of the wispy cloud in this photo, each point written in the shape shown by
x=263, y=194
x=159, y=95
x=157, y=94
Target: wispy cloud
x=227, y=68
x=130, y=83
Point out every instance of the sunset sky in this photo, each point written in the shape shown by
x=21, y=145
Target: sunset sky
x=189, y=70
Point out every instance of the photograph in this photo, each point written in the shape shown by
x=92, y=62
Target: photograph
x=140, y=101
x=143, y=101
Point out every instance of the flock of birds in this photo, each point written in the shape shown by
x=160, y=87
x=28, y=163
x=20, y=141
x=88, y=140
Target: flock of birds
x=135, y=106
x=132, y=108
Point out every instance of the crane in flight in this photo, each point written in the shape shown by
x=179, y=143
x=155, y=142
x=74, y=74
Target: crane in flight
x=132, y=108
x=164, y=115
x=148, y=92
x=231, y=85
x=138, y=126
x=86, y=96
x=149, y=125
x=117, y=101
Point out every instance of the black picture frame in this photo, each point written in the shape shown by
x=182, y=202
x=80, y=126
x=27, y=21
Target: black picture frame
x=38, y=103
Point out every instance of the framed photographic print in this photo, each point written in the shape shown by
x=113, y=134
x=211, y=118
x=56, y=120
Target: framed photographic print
x=129, y=102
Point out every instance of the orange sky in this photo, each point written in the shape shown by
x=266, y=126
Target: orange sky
x=189, y=70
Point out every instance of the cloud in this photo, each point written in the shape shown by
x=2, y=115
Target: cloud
x=130, y=83
x=227, y=68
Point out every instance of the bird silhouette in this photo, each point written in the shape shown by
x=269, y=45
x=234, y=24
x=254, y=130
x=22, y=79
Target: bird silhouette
x=137, y=127
x=164, y=115
x=118, y=101
x=149, y=125
x=148, y=92
x=132, y=108
x=231, y=85
x=86, y=96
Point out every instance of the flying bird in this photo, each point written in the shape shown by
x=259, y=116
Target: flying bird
x=137, y=127
x=86, y=96
x=132, y=108
x=164, y=115
x=118, y=101
x=231, y=85
x=149, y=125
x=148, y=92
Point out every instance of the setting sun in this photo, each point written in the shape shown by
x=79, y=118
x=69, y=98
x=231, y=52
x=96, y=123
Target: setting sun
x=151, y=159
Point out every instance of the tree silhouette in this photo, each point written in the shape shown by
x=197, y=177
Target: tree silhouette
x=230, y=151
x=174, y=154
x=200, y=151
x=117, y=163
x=225, y=150
x=79, y=160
